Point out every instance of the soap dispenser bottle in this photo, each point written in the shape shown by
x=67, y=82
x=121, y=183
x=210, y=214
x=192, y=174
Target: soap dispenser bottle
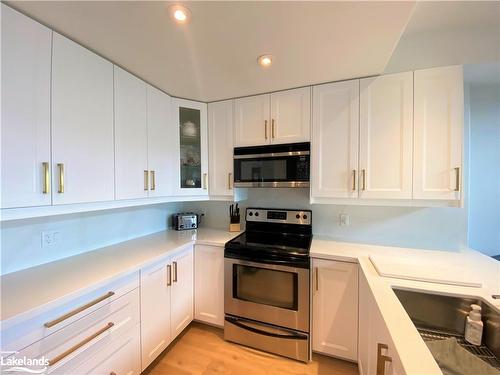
x=474, y=326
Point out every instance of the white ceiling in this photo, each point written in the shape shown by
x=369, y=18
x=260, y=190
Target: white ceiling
x=214, y=56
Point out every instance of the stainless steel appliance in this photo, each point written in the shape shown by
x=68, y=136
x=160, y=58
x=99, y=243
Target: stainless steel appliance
x=272, y=166
x=184, y=221
x=266, y=283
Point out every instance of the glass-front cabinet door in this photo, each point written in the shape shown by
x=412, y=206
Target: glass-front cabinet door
x=192, y=165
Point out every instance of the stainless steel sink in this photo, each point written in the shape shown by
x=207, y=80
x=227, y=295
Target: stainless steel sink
x=440, y=317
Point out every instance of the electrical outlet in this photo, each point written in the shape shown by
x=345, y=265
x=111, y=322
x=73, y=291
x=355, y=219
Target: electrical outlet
x=344, y=220
x=49, y=238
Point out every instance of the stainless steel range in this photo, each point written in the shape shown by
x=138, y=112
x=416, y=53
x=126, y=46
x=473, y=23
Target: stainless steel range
x=266, y=277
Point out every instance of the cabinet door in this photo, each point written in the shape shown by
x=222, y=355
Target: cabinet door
x=82, y=124
x=334, y=143
x=220, y=135
x=439, y=111
x=131, y=136
x=291, y=116
x=182, y=292
x=190, y=119
x=386, y=137
x=26, y=59
x=335, y=308
x=161, y=143
x=209, y=284
x=156, y=283
x=251, y=121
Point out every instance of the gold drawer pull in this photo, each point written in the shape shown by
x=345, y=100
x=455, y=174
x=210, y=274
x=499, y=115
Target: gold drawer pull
x=146, y=180
x=272, y=128
x=153, y=180
x=265, y=129
x=74, y=348
x=316, y=273
x=60, y=166
x=205, y=181
x=457, y=180
x=46, y=178
x=78, y=310
x=229, y=179
x=169, y=275
x=353, y=180
x=364, y=178
x=175, y=271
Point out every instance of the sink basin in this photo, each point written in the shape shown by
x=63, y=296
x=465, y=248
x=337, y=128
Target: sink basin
x=439, y=317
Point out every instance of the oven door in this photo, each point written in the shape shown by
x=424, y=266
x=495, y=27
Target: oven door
x=267, y=293
x=271, y=171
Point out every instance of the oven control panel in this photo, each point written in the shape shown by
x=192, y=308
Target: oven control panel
x=264, y=215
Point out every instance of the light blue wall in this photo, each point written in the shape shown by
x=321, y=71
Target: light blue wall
x=484, y=164
x=77, y=233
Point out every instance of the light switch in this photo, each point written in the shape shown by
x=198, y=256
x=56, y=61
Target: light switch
x=344, y=220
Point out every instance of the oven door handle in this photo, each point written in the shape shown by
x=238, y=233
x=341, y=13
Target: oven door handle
x=237, y=322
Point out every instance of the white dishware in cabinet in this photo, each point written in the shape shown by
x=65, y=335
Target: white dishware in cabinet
x=191, y=147
x=438, y=122
x=251, y=121
x=220, y=150
x=26, y=69
x=386, y=137
x=335, y=140
x=209, y=284
x=182, y=291
x=291, y=116
x=156, y=282
x=335, y=308
x=82, y=124
x=161, y=143
x=131, y=136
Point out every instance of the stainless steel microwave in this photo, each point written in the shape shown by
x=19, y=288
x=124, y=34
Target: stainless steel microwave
x=285, y=165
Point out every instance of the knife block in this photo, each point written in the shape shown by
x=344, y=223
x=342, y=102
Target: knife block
x=235, y=227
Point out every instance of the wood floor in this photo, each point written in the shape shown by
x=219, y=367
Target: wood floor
x=201, y=349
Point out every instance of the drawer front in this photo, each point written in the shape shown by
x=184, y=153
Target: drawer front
x=25, y=332
x=91, y=334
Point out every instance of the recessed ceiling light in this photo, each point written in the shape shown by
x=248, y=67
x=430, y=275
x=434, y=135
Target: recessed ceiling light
x=179, y=13
x=265, y=60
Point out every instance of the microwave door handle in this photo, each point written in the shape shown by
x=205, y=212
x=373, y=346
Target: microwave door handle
x=239, y=323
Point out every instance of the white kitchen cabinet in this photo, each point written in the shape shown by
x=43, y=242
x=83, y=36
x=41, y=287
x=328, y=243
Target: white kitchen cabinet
x=131, y=136
x=191, y=148
x=182, y=291
x=220, y=134
x=209, y=284
x=438, y=122
x=82, y=124
x=156, y=282
x=251, y=121
x=291, y=116
x=386, y=137
x=335, y=309
x=161, y=143
x=335, y=137
x=25, y=155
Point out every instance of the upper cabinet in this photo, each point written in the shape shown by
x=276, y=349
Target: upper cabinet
x=220, y=135
x=439, y=112
x=280, y=117
x=25, y=155
x=131, y=136
x=335, y=140
x=82, y=124
x=191, y=134
x=386, y=137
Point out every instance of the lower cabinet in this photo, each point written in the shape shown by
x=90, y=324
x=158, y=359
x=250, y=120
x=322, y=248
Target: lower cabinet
x=166, y=302
x=376, y=352
x=335, y=308
x=209, y=284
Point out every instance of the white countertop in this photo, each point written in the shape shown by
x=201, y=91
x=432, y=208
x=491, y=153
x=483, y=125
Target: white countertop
x=39, y=286
x=413, y=352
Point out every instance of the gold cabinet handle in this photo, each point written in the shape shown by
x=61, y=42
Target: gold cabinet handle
x=364, y=179
x=353, y=180
x=175, y=271
x=46, y=178
x=74, y=348
x=457, y=178
x=146, y=180
x=169, y=275
x=78, y=310
x=229, y=180
x=265, y=129
x=316, y=277
x=60, y=166
x=272, y=128
x=153, y=180
x=382, y=359
x=205, y=181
